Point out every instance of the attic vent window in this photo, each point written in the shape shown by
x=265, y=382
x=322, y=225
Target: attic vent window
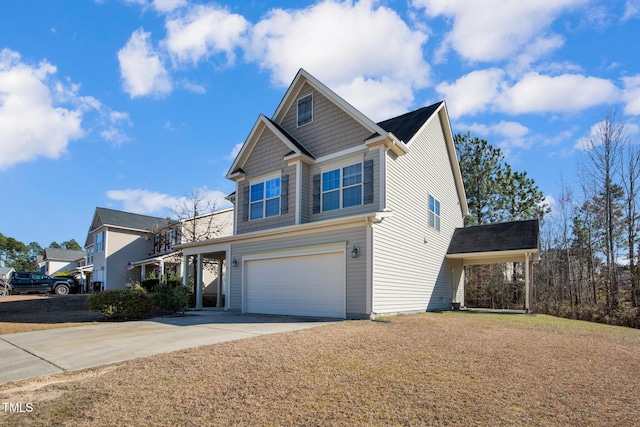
x=305, y=110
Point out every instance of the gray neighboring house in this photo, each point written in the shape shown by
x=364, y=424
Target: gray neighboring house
x=60, y=260
x=114, y=240
x=5, y=272
x=123, y=245
x=339, y=216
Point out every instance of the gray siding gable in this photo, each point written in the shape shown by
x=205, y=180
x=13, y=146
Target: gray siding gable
x=332, y=130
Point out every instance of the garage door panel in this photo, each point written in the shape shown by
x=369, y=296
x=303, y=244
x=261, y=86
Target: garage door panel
x=307, y=285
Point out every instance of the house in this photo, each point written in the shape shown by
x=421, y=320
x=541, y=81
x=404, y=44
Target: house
x=165, y=259
x=5, y=273
x=339, y=216
x=57, y=260
x=123, y=246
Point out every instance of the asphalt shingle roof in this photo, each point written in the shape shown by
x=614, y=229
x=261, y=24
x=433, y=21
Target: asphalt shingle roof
x=505, y=236
x=404, y=127
x=292, y=140
x=63, y=254
x=130, y=220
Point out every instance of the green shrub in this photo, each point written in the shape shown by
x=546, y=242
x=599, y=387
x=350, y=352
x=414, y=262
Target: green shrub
x=150, y=284
x=170, y=298
x=124, y=304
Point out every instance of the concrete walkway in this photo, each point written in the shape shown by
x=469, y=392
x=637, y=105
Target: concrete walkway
x=32, y=354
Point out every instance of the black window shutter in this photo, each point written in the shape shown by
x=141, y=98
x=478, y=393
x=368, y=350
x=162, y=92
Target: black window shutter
x=367, y=182
x=245, y=203
x=316, y=193
x=284, y=194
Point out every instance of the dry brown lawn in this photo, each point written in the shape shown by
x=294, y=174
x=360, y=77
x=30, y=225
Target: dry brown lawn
x=431, y=369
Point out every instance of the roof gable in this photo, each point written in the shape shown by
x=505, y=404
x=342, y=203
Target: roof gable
x=262, y=124
x=303, y=77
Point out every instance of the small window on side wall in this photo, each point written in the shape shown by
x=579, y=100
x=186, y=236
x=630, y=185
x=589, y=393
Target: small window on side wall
x=305, y=110
x=434, y=213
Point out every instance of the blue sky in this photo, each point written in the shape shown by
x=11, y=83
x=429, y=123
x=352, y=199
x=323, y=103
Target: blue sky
x=132, y=104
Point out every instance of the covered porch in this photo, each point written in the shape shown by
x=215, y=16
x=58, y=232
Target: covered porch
x=205, y=258
x=508, y=242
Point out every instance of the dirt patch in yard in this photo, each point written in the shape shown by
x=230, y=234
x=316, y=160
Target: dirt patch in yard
x=22, y=313
x=423, y=370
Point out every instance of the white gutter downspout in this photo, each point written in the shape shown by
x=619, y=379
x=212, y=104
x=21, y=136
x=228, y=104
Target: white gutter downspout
x=369, y=268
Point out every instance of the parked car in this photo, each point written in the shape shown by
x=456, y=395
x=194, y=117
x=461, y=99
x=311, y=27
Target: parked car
x=27, y=282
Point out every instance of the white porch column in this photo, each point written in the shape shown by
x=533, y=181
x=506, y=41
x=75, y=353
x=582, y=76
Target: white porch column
x=527, y=303
x=219, y=285
x=143, y=271
x=185, y=271
x=199, y=284
x=162, y=278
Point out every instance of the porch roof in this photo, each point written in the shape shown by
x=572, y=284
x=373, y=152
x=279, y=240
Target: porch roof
x=495, y=243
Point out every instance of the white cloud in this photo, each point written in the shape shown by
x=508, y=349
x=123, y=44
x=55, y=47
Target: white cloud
x=154, y=203
x=631, y=94
x=161, y=6
x=32, y=124
x=141, y=68
x=204, y=30
x=142, y=201
x=506, y=134
x=632, y=10
x=536, y=93
x=353, y=47
x=192, y=87
x=492, y=30
x=166, y=6
x=235, y=151
x=472, y=93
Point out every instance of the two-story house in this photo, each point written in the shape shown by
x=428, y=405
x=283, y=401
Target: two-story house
x=339, y=216
x=123, y=246
x=57, y=260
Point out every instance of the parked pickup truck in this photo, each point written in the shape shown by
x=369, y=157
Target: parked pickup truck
x=27, y=282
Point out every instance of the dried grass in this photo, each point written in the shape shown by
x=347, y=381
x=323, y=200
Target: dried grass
x=429, y=369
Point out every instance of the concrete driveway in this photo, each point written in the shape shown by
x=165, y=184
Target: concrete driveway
x=32, y=354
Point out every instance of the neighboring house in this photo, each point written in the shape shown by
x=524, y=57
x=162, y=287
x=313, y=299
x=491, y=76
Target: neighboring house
x=5, y=272
x=339, y=216
x=165, y=259
x=123, y=246
x=60, y=260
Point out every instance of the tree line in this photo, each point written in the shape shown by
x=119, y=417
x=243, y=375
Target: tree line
x=20, y=256
x=589, y=246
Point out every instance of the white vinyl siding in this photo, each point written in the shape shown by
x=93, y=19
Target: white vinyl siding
x=410, y=272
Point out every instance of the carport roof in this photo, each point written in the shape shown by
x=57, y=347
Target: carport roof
x=502, y=242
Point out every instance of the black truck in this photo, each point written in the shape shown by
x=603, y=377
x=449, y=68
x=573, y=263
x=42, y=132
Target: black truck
x=27, y=282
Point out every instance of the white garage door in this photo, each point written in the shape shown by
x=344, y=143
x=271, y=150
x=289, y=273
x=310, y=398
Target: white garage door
x=308, y=285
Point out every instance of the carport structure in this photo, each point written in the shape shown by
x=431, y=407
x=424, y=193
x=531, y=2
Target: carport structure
x=515, y=241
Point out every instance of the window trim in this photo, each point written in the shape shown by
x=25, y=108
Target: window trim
x=436, y=212
x=310, y=95
x=263, y=180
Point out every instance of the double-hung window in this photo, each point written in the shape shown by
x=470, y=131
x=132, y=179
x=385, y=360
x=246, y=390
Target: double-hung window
x=264, y=199
x=342, y=187
x=434, y=213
